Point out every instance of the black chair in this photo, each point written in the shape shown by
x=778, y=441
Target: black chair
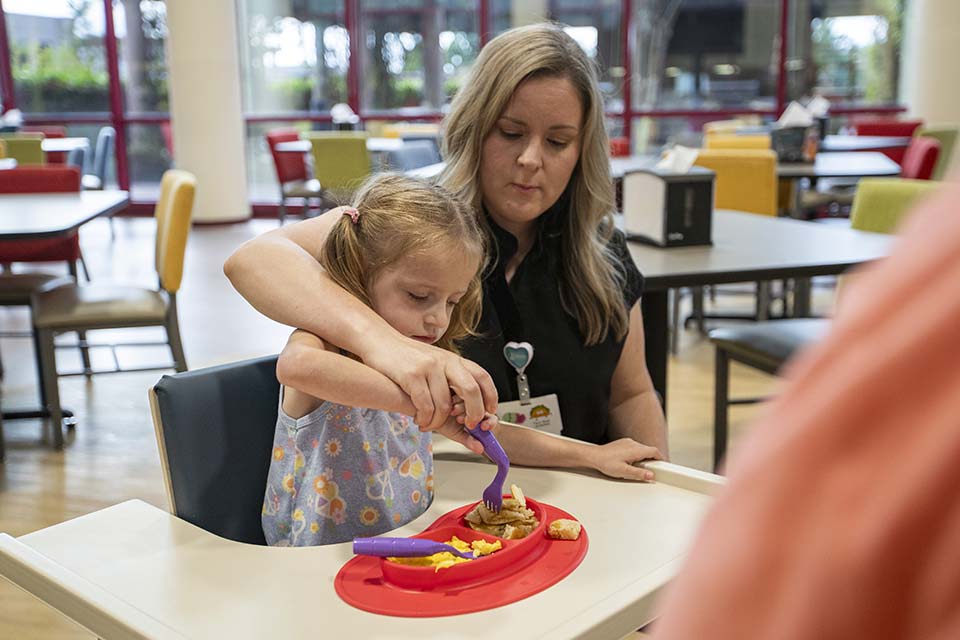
x=766, y=346
x=215, y=431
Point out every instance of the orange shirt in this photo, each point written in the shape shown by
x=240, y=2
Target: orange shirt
x=841, y=518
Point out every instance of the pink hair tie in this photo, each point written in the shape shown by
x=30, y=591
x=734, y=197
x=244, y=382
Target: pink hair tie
x=353, y=213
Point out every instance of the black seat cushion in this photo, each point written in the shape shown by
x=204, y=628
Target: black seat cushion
x=768, y=345
x=218, y=426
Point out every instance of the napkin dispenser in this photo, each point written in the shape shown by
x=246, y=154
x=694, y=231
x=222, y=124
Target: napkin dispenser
x=668, y=208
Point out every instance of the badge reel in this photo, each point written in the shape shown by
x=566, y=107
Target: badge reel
x=542, y=412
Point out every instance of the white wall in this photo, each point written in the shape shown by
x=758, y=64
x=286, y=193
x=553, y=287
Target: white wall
x=929, y=75
x=205, y=107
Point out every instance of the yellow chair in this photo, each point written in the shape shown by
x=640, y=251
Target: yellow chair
x=3, y=149
x=736, y=141
x=104, y=305
x=340, y=161
x=26, y=150
x=746, y=178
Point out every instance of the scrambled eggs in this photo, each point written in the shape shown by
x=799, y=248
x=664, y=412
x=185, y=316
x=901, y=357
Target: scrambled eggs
x=446, y=559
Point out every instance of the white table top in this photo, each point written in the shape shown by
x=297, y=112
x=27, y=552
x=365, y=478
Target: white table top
x=133, y=570
x=839, y=164
x=53, y=145
x=40, y=215
x=374, y=145
x=863, y=143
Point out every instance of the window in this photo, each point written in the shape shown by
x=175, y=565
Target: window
x=596, y=28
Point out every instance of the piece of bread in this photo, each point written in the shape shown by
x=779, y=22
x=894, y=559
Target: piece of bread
x=564, y=529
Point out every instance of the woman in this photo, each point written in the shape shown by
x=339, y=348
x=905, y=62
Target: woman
x=525, y=144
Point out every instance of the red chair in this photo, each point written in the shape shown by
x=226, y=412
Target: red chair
x=42, y=180
x=49, y=131
x=887, y=127
x=619, y=147
x=920, y=158
x=292, y=174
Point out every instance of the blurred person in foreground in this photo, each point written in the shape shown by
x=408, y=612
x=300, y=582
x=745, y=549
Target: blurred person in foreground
x=841, y=518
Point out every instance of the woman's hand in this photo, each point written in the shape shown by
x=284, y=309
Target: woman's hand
x=615, y=459
x=427, y=374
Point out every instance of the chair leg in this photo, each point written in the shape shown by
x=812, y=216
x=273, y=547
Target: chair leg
x=84, y=353
x=86, y=272
x=675, y=320
x=113, y=231
x=282, y=209
x=721, y=402
x=697, y=293
x=176, y=345
x=762, y=311
x=51, y=392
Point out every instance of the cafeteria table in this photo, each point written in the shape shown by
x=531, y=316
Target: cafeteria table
x=133, y=570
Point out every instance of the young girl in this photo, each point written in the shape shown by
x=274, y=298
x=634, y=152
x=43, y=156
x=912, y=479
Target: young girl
x=348, y=459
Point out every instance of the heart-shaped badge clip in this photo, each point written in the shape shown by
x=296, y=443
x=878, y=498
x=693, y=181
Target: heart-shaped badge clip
x=518, y=354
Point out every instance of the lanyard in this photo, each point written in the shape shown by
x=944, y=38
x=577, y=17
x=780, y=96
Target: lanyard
x=517, y=353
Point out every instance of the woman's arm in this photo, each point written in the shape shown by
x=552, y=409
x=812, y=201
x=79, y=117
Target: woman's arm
x=279, y=274
x=635, y=411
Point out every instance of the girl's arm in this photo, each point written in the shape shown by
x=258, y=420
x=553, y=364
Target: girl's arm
x=279, y=274
x=312, y=371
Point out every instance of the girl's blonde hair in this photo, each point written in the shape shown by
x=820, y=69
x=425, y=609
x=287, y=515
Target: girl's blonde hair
x=591, y=281
x=400, y=216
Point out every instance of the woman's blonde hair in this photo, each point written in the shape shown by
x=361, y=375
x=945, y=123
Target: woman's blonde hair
x=400, y=216
x=591, y=282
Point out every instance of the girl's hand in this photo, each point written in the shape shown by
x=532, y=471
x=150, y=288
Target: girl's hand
x=490, y=420
x=427, y=373
x=458, y=433
x=615, y=459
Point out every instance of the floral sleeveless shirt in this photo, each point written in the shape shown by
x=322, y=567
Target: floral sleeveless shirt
x=340, y=472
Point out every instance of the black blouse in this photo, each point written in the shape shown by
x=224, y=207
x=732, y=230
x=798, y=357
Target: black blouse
x=579, y=375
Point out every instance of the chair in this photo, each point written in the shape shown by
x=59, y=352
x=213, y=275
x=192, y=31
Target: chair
x=340, y=161
x=97, y=178
x=26, y=150
x=50, y=131
x=920, y=158
x=879, y=206
x=292, y=172
x=946, y=135
x=867, y=126
x=746, y=181
x=412, y=155
x=214, y=431
x=111, y=306
x=42, y=180
x=736, y=141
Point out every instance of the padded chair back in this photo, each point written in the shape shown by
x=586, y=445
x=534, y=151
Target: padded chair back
x=866, y=126
x=50, y=131
x=946, y=135
x=880, y=203
x=101, y=154
x=736, y=141
x=173, y=212
x=920, y=158
x=413, y=154
x=40, y=180
x=289, y=166
x=214, y=430
x=340, y=158
x=26, y=150
x=746, y=179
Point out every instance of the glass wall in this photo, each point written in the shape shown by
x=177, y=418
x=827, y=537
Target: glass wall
x=596, y=27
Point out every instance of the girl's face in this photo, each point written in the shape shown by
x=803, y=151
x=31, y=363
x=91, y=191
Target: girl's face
x=530, y=154
x=417, y=294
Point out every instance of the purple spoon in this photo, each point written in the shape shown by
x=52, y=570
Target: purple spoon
x=404, y=548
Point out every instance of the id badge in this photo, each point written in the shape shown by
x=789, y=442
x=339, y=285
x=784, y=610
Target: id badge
x=541, y=413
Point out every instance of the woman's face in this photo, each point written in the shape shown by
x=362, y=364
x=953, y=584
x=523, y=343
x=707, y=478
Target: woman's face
x=528, y=157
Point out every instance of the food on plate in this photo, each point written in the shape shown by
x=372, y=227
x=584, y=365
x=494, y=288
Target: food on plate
x=446, y=559
x=564, y=529
x=514, y=520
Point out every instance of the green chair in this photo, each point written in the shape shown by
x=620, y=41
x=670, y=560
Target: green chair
x=946, y=135
x=26, y=150
x=879, y=206
x=340, y=161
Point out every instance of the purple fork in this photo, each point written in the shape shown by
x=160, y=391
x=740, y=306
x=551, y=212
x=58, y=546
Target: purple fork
x=404, y=548
x=493, y=494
